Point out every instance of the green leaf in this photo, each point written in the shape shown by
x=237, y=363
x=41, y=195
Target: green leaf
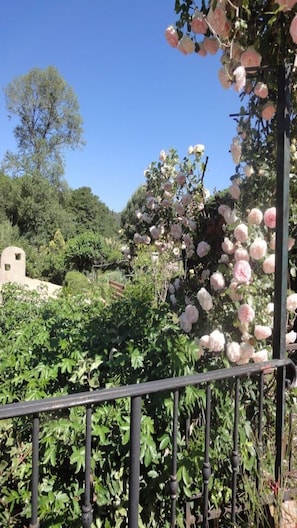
x=78, y=458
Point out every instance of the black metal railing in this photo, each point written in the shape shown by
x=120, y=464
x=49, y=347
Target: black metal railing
x=136, y=393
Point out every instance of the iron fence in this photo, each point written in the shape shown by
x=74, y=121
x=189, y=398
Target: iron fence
x=284, y=368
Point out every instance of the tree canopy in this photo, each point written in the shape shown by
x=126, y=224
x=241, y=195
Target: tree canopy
x=48, y=121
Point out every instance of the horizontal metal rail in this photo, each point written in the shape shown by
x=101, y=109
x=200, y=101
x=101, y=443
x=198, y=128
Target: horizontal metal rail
x=26, y=408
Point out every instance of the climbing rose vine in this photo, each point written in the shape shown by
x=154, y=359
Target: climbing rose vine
x=223, y=297
x=253, y=38
x=222, y=290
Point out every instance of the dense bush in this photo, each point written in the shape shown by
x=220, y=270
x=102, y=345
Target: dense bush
x=72, y=345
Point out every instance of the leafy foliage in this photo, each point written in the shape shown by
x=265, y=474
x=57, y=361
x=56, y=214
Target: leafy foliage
x=49, y=120
x=72, y=344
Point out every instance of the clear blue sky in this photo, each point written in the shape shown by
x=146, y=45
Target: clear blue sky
x=137, y=95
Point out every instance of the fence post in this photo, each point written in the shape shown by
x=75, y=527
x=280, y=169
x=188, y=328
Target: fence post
x=135, y=421
x=281, y=255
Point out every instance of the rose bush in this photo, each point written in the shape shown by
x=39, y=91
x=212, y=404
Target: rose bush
x=224, y=283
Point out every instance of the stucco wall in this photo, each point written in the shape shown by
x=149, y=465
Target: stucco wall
x=13, y=269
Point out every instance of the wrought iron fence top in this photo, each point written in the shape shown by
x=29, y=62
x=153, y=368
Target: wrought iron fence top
x=26, y=408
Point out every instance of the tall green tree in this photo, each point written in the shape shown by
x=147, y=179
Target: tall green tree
x=7, y=198
x=39, y=212
x=91, y=214
x=47, y=121
x=130, y=224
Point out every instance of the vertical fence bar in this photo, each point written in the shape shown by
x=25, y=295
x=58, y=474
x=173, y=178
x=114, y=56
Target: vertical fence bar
x=173, y=485
x=281, y=264
x=260, y=430
x=35, y=473
x=235, y=455
x=135, y=419
x=206, y=470
x=87, y=514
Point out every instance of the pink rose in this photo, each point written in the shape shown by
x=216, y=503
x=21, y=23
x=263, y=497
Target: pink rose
x=198, y=23
x=203, y=249
x=234, y=190
x=176, y=231
x=204, y=341
x=241, y=233
x=228, y=246
x=292, y=302
x=226, y=30
x=224, y=259
x=233, y=293
x=293, y=29
x=255, y=216
x=291, y=337
x=185, y=221
x=262, y=332
x=188, y=241
x=150, y=202
x=210, y=45
x=179, y=208
x=270, y=217
x=269, y=264
x=185, y=323
x=240, y=78
x=233, y=351
x=217, y=281
x=223, y=208
x=171, y=36
x=186, y=198
x=230, y=216
x=173, y=299
x=258, y=248
x=236, y=150
x=146, y=218
x=248, y=171
x=216, y=341
x=235, y=51
x=165, y=203
x=186, y=45
x=205, y=299
x=242, y=271
x=245, y=313
x=155, y=232
x=180, y=178
x=224, y=78
x=246, y=351
x=137, y=238
x=216, y=19
x=202, y=52
x=162, y=155
x=286, y=4
x=176, y=283
x=171, y=288
x=261, y=90
x=167, y=186
x=146, y=239
x=241, y=254
x=260, y=356
x=192, y=313
x=268, y=111
x=250, y=58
